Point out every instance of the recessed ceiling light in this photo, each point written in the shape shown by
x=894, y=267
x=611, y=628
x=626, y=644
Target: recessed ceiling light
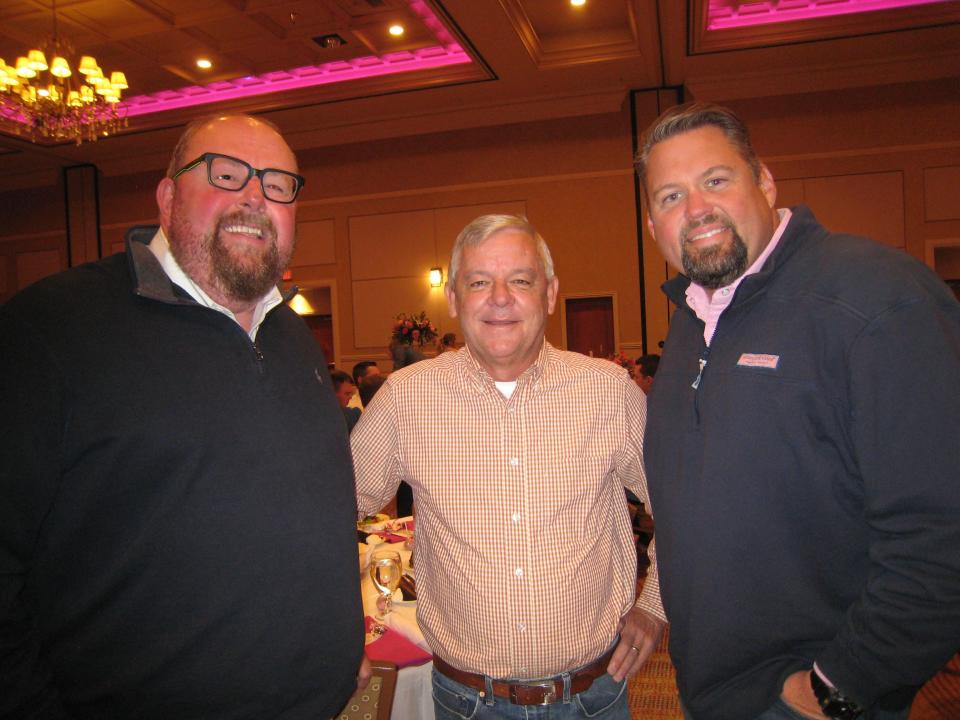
x=396, y=30
x=578, y=3
x=204, y=64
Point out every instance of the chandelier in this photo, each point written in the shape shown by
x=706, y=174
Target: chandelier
x=49, y=100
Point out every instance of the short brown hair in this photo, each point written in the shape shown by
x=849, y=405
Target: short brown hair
x=684, y=118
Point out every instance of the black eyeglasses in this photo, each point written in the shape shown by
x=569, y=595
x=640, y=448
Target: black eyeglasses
x=229, y=173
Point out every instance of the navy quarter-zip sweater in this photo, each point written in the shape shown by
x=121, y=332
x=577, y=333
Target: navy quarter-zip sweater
x=177, y=507
x=808, y=504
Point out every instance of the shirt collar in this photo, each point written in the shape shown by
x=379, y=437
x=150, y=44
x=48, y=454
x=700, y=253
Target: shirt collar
x=481, y=377
x=704, y=305
x=160, y=247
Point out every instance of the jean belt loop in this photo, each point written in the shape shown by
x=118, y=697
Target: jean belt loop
x=566, y=687
x=488, y=690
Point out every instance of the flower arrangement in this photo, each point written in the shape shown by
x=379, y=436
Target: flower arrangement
x=413, y=329
x=623, y=361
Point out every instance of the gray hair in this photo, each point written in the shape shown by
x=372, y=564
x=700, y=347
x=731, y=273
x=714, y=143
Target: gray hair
x=684, y=118
x=485, y=226
x=178, y=159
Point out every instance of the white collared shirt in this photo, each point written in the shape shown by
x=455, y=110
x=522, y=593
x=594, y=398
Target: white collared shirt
x=160, y=247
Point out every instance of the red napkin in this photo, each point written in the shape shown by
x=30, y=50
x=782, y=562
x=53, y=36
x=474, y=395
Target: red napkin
x=392, y=538
x=393, y=646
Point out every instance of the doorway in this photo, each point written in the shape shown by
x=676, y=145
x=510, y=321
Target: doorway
x=943, y=256
x=316, y=304
x=589, y=325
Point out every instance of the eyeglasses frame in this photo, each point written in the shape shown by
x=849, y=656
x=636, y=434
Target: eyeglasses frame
x=252, y=172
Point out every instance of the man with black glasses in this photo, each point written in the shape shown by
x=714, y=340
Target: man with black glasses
x=175, y=478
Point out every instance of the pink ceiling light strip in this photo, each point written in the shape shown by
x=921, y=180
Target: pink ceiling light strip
x=294, y=79
x=427, y=17
x=724, y=14
x=448, y=52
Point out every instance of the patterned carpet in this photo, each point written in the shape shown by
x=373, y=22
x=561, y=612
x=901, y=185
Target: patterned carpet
x=939, y=699
x=653, y=690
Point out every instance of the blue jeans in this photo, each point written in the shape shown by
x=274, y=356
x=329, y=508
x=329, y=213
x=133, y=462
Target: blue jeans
x=605, y=699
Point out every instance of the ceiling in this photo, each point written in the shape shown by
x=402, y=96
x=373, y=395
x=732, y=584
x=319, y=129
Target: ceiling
x=459, y=63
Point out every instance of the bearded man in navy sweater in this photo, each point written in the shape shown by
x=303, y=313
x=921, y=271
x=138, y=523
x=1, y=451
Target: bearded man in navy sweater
x=805, y=494
x=175, y=476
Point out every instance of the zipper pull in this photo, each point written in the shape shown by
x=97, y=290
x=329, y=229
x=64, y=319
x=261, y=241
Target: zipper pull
x=703, y=364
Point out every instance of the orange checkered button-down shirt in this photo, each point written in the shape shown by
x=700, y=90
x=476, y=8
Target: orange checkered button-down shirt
x=525, y=559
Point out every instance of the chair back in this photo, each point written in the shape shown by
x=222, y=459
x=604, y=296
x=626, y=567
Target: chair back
x=376, y=700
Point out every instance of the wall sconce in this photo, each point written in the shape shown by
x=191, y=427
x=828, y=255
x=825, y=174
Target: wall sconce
x=436, y=277
x=301, y=306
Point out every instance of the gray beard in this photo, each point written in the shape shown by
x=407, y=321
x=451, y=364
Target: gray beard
x=717, y=266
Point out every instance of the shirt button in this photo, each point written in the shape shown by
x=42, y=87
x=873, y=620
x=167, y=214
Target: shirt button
x=514, y=462
x=511, y=410
x=518, y=572
x=521, y=627
x=515, y=517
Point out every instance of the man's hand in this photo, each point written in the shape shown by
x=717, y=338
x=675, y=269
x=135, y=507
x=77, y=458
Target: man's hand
x=364, y=674
x=640, y=634
x=798, y=694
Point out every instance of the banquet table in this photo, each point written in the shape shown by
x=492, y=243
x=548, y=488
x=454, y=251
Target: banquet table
x=413, y=697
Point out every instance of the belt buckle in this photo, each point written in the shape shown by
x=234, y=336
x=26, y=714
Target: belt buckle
x=549, y=695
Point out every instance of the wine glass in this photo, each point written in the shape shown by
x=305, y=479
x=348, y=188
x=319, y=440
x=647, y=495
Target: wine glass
x=385, y=570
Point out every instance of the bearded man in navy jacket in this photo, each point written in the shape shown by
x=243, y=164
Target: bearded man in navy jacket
x=175, y=477
x=805, y=494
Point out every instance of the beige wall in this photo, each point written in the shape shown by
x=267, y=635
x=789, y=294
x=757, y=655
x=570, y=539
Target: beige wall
x=376, y=216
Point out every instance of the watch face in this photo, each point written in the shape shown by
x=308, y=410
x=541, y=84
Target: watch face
x=833, y=704
x=841, y=709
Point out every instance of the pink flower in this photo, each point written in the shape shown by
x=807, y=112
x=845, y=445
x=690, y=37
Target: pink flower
x=416, y=334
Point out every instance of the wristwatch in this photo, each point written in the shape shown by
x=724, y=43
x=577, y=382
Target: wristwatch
x=833, y=703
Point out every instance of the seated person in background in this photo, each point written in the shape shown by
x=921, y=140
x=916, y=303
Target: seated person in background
x=646, y=369
x=369, y=386
x=402, y=504
x=363, y=369
x=403, y=354
x=344, y=389
x=447, y=342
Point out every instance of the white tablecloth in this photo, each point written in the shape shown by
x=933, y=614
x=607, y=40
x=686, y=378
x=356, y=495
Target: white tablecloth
x=413, y=699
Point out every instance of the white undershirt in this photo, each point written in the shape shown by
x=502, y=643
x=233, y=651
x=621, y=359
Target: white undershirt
x=506, y=387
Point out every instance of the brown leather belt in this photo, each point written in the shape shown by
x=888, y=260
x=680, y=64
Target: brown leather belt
x=531, y=692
